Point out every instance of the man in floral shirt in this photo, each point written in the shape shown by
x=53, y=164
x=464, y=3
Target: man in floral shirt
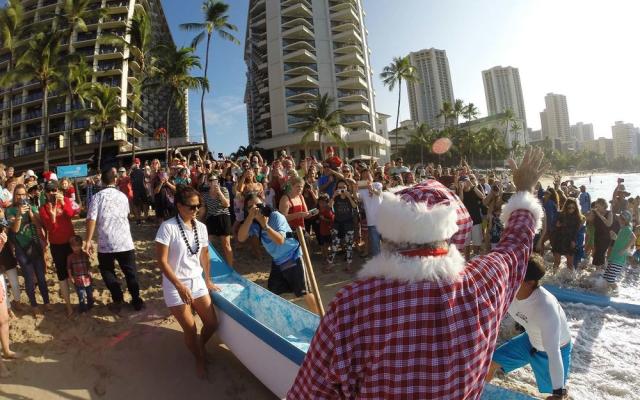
x=420, y=323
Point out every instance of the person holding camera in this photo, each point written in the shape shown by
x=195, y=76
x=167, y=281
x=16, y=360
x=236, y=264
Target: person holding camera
x=216, y=215
x=344, y=205
x=56, y=216
x=25, y=233
x=274, y=232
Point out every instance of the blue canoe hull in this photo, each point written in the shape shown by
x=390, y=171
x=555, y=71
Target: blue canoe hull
x=271, y=335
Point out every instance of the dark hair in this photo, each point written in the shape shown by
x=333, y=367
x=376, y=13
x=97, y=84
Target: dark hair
x=535, y=268
x=250, y=197
x=184, y=192
x=323, y=197
x=75, y=239
x=108, y=176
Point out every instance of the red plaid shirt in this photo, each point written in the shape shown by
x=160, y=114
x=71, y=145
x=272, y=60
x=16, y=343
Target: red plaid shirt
x=79, y=269
x=385, y=339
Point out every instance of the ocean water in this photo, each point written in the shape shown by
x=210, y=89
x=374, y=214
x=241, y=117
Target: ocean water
x=606, y=354
x=602, y=185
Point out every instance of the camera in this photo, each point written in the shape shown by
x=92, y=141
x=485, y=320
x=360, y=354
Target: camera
x=220, y=155
x=24, y=202
x=4, y=224
x=620, y=180
x=264, y=209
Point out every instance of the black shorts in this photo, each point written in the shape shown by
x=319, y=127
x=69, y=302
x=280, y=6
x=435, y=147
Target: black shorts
x=343, y=228
x=59, y=253
x=140, y=201
x=288, y=281
x=219, y=225
x=324, y=239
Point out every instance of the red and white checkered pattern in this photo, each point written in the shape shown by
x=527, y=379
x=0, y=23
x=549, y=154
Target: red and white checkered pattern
x=434, y=193
x=385, y=339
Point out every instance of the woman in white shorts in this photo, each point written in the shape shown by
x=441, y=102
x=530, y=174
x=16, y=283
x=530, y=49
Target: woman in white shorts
x=183, y=257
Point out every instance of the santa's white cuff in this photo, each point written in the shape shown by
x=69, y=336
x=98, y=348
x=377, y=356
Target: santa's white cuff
x=523, y=201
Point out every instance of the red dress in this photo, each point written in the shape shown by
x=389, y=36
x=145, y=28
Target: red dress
x=387, y=338
x=298, y=222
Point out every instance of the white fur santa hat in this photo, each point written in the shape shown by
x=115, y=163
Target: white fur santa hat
x=425, y=213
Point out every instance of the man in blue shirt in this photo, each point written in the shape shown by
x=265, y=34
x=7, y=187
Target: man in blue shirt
x=585, y=200
x=287, y=272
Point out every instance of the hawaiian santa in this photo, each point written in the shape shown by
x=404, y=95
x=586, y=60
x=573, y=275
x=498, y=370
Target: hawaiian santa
x=420, y=322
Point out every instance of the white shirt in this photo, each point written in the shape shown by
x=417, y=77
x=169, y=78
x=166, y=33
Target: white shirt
x=110, y=209
x=546, y=324
x=184, y=264
x=371, y=202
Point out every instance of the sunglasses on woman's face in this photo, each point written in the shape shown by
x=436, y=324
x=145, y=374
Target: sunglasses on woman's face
x=193, y=207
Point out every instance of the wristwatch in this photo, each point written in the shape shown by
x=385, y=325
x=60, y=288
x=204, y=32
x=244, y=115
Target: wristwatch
x=561, y=393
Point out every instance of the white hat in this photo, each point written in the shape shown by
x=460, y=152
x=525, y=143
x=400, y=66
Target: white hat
x=30, y=174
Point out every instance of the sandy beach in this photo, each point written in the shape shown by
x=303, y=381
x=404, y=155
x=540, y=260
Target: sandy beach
x=135, y=355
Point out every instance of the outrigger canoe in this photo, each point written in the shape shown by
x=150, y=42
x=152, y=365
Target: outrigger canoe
x=271, y=335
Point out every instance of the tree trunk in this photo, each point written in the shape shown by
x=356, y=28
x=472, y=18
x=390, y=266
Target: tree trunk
x=71, y=154
x=166, y=143
x=398, y=115
x=204, y=91
x=100, y=149
x=71, y=150
x=422, y=154
x=491, y=152
x=45, y=121
x=10, y=100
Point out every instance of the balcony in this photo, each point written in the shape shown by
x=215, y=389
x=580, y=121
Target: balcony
x=117, y=7
x=302, y=94
x=293, y=22
x=355, y=108
x=109, y=69
x=301, y=81
x=85, y=51
x=298, y=108
x=350, y=71
x=349, y=59
x=347, y=47
x=114, y=21
x=356, y=121
x=298, y=32
x=291, y=45
x=32, y=97
x=85, y=37
x=31, y=115
x=346, y=14
x=287, y=3
x=297, y=10
x=300, y=56
x=348, y=35
x=301, y=69
x=297, y=122
x=352, y=83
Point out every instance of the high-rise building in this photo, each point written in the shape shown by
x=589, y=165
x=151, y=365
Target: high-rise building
x=581, y=132
x=21, y=139
x=625, y=140
x=555, y=121
x=601, y=146
x=503, y=91
x=433, y=87
x=298, y=50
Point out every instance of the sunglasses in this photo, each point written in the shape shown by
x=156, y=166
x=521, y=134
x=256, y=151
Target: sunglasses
x=52, y=191
x=193, y=207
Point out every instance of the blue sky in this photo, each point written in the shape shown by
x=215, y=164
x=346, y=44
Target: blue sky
x=582, y=49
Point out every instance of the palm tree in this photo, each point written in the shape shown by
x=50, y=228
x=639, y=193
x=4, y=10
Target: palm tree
x=470, y=112
x=215, y=20
x=106, y=110
x=43, y=62
x=423, y=136
x=174, y=71
x=11, y=33
x=492, y=142
x=457, y=110
x=75, y=15
x=324, y=122
x=446, y=112
x=75, y=79
x=141, y=50
x=507, y=120
x=393, y=74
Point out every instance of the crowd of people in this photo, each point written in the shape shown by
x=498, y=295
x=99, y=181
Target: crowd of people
x=335, y=204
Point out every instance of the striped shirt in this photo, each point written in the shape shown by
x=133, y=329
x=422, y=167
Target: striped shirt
x=214, y=206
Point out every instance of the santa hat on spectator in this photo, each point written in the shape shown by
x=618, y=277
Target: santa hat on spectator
x=49, y=176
